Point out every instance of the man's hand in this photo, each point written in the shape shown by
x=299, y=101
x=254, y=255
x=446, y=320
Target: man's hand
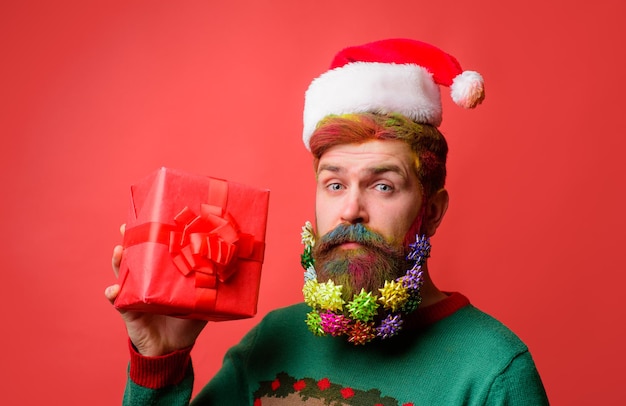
x=153, y=334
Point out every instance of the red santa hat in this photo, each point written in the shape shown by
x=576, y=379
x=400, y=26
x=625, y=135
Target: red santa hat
x=390, y=76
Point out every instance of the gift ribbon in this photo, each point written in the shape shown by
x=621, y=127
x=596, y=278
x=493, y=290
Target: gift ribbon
x=206, y=246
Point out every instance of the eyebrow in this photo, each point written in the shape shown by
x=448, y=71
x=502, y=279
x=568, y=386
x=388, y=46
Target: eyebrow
x=330, y=168
x=373, y=170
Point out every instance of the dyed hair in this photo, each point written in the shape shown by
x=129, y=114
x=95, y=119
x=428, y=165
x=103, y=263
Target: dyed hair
x=425, y=140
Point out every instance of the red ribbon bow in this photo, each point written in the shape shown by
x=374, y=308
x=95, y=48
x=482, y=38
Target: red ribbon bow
x=207, y=244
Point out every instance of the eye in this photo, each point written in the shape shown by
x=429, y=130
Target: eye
x=383, y=187
x=334, y=186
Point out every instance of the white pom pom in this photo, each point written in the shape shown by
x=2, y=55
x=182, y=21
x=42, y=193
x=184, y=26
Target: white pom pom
x=467, y=89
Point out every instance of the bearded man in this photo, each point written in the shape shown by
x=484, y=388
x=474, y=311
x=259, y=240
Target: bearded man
x=374, y=328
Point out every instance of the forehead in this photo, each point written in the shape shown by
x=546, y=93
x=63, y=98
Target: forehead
x=368, y=155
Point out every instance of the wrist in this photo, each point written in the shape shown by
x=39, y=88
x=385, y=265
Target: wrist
x=156, y=372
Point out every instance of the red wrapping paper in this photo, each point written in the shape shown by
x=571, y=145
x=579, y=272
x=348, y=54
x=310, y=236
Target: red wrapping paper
x=193, y=247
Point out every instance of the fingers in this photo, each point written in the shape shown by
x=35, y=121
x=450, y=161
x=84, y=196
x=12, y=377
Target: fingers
x=111, y=292
x=117, y=253
x=116, y=259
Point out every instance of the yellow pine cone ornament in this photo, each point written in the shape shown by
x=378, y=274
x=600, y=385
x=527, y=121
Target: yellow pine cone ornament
x=393, y=295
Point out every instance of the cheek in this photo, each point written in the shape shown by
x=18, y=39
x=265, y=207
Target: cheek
x=397, y=232
x=397, y=227
x=323, y=217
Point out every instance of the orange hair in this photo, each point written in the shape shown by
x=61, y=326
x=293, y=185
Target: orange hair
x=425, y=140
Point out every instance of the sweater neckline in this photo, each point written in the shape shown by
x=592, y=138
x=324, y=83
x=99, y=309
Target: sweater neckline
x=429, y=315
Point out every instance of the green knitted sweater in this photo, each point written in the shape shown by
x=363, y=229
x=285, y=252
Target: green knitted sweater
x=450, y=354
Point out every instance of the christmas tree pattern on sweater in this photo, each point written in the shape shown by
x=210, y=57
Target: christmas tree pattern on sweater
x=286, y=390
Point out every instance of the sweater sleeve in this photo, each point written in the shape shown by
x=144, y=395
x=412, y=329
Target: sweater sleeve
x=165, y=380
x=519, y=384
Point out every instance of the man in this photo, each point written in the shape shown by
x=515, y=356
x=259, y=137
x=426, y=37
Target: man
x=374, y=328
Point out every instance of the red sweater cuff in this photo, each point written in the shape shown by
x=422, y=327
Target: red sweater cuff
x=161, y=371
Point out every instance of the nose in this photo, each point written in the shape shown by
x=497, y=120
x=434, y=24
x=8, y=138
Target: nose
x=354, y=209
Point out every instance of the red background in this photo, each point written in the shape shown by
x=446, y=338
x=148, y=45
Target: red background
x=96, y=95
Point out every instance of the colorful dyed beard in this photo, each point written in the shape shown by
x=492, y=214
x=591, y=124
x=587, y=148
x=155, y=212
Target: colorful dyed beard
x=362, y=316
x=366, y=267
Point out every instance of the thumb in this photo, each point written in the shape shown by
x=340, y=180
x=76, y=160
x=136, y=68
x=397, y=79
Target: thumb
x=111, y=292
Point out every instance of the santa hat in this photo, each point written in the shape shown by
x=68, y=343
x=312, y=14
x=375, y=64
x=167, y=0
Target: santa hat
x=390, y=76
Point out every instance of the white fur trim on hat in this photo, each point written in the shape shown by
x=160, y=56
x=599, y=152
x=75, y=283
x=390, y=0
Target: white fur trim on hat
x=373, y=87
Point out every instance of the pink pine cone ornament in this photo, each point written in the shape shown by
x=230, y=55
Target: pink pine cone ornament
x=334, y=324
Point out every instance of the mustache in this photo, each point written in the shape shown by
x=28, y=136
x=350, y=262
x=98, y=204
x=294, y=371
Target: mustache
x=357, y=233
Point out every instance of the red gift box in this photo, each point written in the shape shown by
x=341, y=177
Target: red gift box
x=193, y=247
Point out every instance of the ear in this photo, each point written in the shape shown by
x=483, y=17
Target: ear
x=436, y=208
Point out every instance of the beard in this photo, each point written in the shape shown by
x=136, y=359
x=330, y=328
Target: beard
x=366, y=267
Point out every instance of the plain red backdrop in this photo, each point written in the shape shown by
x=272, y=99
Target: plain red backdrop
x=95, y=95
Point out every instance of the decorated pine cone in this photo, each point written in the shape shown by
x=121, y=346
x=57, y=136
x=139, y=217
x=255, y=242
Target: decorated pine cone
x=334, y=324
x=389, y=326
x=363, y=307
x=307, y=236
x=306, y=259
x=309, y=291
x=314, y=322
x=412, y=304
x=328, y=296
x=414, y=278
x=361, y=333
x=420, y=249
x=393, y=295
